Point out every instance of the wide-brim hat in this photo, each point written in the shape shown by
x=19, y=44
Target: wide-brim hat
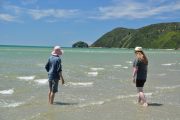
x=57, y=51
x=138, y=49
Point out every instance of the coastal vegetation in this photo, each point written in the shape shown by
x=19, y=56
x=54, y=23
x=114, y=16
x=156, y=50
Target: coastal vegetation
x=161, y=36
x=80, y=44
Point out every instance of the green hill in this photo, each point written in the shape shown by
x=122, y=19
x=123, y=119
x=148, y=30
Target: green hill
x=162, y=35
x=80, y=44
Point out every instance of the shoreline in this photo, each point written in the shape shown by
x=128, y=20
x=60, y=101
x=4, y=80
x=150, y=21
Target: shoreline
x=38, y=46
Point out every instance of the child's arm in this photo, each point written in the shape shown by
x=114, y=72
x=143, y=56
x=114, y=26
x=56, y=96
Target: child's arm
x=62, y=79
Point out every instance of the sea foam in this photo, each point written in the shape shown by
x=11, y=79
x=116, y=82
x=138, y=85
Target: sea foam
x=26, y=78
x=168, y=87
x=130, y=62
x=162, y=74
x=7, y=92
x=168, y=64
x=125, y=67
x=117, y=65
x=93, y=73
x=82, y=84
x=133, y=95
x=120, y=66
x=126, y=96
x=96, y=69
x=92, y=103
x=6, y=104
x=10, y=104
x=40, y=65
x=41, y=81
x=173, y=70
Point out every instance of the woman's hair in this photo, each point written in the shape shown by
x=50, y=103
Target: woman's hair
x=142, y=57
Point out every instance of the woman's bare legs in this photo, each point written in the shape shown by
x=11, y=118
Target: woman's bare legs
x=141, y=96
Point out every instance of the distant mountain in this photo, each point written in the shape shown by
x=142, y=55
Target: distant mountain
x=162, y=35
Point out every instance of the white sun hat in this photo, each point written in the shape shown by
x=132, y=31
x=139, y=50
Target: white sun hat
x=138, y=49
x=57, y=51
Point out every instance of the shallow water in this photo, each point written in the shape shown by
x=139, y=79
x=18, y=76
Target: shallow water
x=98, y=85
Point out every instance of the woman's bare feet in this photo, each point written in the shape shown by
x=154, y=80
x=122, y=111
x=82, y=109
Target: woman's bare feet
x=145, y=105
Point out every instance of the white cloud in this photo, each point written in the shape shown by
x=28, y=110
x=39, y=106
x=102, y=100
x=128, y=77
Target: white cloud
x=26, y=2
x=13, y=9
x=136, y=10
x=36, y=14
x=56, y=13
x=127, y=9
x=11, y=13
x=177, y=6
x=51, y=20
x=7, y=18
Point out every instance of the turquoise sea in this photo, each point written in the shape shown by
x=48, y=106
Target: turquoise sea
x=98, y=85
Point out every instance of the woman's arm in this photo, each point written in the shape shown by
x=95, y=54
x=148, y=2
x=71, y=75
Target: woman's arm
x=135, y=69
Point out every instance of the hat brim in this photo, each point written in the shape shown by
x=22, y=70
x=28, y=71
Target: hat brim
x=138, y=49
x=54, y=52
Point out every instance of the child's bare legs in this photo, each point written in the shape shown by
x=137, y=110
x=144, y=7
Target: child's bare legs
x=51, y=96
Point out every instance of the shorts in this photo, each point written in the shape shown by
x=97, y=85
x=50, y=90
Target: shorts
x=53, y=85
x=140, y=83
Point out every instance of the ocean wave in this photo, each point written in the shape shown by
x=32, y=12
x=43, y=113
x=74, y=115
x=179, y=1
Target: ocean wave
x=7, y=92
x=168, y=87
x=148, y=94
x=162, y=74
x=130, y=62
x=133, y=95
x=98, y=51
x=110, y=100
x=84, y=66
x=41, y=81
x=92, y=104
x=96, y=69
x=26, y=78
x=168, y=64
x=6, y=104
x=93, y=73
x=117, y=65
x=120, y=66
x=82, y=84
x=173, y=70
x=125, y=96
x=40, y=64
x=125, y=67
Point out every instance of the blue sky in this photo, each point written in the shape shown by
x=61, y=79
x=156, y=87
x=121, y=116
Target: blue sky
x=64, y=22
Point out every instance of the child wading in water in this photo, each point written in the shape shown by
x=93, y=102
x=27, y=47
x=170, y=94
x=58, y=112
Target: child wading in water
x=54, y=69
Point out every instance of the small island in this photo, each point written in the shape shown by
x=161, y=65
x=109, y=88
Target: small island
x=80, y=44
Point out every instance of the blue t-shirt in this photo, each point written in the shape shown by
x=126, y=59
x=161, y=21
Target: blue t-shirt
x=142, y=69
x=53, y=67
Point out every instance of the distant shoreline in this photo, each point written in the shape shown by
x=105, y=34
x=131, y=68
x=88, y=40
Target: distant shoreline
x=24, y=46
x=30, y=46
x=75, y=48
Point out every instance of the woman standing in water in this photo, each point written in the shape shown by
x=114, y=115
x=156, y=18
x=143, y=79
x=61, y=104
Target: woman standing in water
x=140, y=65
